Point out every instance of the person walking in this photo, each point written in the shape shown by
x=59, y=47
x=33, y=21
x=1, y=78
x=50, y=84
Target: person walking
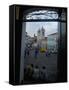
x=36, y=52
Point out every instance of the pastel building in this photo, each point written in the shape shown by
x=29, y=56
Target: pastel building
x=52, y=42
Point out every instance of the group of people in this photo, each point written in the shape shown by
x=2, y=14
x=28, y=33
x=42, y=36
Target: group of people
x=34, y=73
x=27, y=52
x=36, y=51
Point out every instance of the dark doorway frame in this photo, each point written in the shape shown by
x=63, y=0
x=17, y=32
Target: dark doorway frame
x=62, y=74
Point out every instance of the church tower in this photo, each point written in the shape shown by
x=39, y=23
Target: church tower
x=41, y=34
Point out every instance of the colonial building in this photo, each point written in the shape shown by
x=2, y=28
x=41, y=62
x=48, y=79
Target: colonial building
x=52, y=42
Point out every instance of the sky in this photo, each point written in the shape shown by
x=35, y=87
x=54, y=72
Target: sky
x=33, y=27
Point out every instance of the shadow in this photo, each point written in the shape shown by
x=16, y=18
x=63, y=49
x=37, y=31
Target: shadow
x=7, y=82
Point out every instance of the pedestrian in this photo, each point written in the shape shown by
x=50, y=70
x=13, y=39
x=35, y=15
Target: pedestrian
x=28, y=51
x=25, y=52
x=36, y=52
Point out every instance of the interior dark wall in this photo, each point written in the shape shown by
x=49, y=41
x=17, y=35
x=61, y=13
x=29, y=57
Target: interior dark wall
x=11, y=40
x=18, y=35
x=62, y=56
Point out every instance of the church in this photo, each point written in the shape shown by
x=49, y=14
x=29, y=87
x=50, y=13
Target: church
x=41, y=39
